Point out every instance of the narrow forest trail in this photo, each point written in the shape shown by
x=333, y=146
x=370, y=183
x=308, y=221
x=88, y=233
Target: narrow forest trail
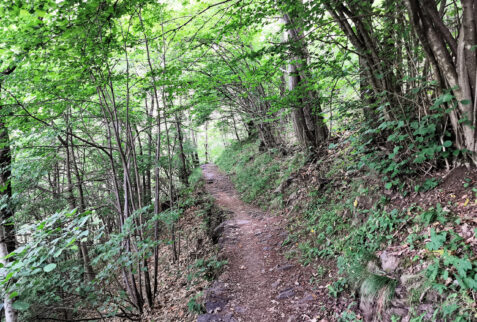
x=258, y=283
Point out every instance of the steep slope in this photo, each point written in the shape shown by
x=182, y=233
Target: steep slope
x=403, y=255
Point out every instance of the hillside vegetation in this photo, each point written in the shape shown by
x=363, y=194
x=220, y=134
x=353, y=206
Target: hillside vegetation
x=408, y=254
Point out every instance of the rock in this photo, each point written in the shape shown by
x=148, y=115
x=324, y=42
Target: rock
x=389, y=263
x=208, y=318
x=286, y=293
x=267, y=248
x=285, y=267
x=215, y=318
x=215, y=301
x=367, y=299
x=276, y=283
x=216, y=305
x=307, y=298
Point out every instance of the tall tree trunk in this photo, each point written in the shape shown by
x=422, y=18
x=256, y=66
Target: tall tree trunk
x=88, y=268
x=235, y=127
x=157, y=190
x=310, y=128
x=7, y=227
x=456, y=61
x=184, y=171
x=206, y=143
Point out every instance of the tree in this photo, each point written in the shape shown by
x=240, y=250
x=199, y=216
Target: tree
x=454, y=61
x=7, y=225
x=308, y=122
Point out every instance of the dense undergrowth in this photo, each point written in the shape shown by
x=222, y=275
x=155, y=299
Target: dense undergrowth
x=403, y=255
x=48, y=261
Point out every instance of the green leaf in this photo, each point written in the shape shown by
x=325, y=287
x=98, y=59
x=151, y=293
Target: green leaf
x=447, y=143
x=437, y=240
x=13, y=294
x=48, y=268
x=20, y=306
x=7, y=278
x=58, y=253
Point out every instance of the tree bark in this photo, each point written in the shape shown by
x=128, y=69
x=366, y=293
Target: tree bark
x=309, y=125
x=455, y=60
x=7, y=227
x=184, y=171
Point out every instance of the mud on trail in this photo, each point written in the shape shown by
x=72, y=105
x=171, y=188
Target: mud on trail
x=258, y=283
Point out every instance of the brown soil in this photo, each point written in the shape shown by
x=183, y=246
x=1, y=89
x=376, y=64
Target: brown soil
x=258, y=283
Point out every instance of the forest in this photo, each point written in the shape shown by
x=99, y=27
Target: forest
x=238, y=160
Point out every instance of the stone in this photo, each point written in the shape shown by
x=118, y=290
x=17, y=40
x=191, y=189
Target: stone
x=215, y=305
x=216, y=318
x=389, y=263
x=208, y=318
x=286, y=293
x=285, y=267
x=276, y=283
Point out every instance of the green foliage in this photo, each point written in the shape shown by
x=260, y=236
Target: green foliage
x=409, y=146
x=46, y=265
x=195, y=177
x=429, y=184
x=348, y=315
x=194, y=305
x=337, y=287
x=433, y=214
x=437, y=240
x=256, y=174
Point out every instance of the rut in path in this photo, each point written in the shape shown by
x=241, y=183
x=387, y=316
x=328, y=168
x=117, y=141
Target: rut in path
x=258, y=284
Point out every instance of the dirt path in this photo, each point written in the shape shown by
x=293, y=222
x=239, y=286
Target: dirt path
x=258, y=284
